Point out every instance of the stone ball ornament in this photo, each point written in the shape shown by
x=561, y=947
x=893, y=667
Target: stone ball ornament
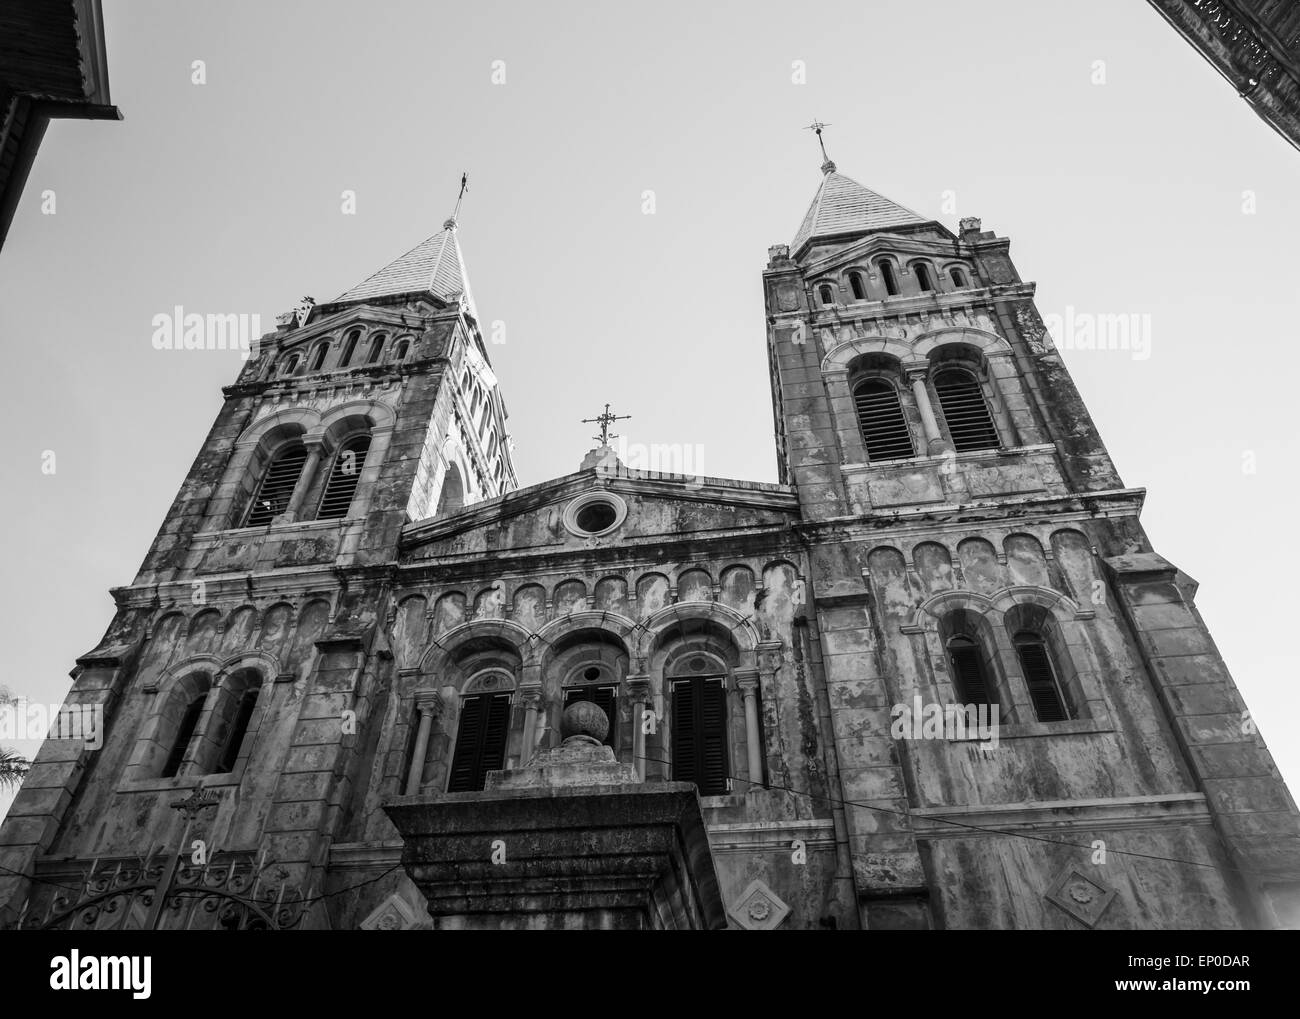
x=584, y=718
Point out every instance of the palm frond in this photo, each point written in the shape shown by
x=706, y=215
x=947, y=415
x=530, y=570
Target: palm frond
x=13, y=767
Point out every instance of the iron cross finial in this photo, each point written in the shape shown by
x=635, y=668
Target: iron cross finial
x=605, y=420
x=817, y=126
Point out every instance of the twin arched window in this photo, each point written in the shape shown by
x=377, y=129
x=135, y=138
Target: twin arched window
x=971, y=673
x=887, y=434
x=284, y=474
x=217, y=749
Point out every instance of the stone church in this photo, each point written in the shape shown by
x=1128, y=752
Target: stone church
x=936, y=677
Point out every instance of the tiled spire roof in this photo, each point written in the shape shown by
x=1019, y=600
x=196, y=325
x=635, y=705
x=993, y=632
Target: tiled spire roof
x=436, y=265
x=843, y=206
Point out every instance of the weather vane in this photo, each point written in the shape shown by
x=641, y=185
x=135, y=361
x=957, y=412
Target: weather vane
x=817, y=126
x=605, y=420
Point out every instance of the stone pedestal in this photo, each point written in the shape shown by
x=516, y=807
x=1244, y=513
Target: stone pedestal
x=573, y=840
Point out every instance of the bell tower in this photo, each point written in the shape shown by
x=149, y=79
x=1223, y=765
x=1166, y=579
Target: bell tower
x=910, y=366
x=251, y=647
x=973, y=548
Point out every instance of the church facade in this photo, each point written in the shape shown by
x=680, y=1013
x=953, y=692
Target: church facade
x=936, y=677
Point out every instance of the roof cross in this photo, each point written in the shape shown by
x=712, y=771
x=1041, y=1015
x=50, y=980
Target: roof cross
x=605, y=420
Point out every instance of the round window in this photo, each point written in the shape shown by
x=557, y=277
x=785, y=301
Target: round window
x=595, y=514
x=592, y=673
x=596, y=517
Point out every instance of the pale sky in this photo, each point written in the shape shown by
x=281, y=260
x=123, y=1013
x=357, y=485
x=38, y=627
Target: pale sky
x=1125, y=188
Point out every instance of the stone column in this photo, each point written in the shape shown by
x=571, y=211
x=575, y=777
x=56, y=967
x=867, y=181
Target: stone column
x=934, y=440
x=430, y=707
x=639, y=687
x=531, y=699
x=997, y=384
x=747, y=681
x=314, y=453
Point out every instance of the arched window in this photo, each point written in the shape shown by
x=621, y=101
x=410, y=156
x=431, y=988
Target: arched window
x=290, y=365
x=231, y=716
x=400, y=353
x=825, y=294
x=185, y=732
x=923, y=278
x=962, y=400
x=699, y=733
x=349, y=348
x=344, y=475
x=957, y=276
x=277, y=485
x=318, y=356
x=887, y=275
x=880, y=417
x=1045, y=689
x=480, y=741
x=856, y=285
x=376, y=348
x=969, y=672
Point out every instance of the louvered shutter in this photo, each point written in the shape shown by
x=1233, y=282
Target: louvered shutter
x=700, y=735
x=480, y=741
x=604, y=697
x=967, y=415
x=685, y=732
x=344, y=475
x=277, y=486
x=969, y=673
x=1043, y=691
x=713, y=740
x=880, y=418
x=495, y=732
x=468, y=737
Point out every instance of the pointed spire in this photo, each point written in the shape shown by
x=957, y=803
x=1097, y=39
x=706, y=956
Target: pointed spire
x=843, y=206
x=437, y=265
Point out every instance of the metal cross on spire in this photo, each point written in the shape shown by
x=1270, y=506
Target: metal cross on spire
x=464, y=186
x=605, y=420
x=817, y=126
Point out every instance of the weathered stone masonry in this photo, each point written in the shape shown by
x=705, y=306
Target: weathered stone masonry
x=330, y=665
